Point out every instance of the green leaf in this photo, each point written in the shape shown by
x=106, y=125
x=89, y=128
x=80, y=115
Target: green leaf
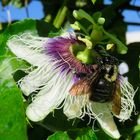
x=12, y=114
x=93, y=1
x=75, y=134
x=59, y=136
x=14, y=29
x=82, y=134
x=136, y=129
x=12, y=117
x=137, y=137
x=101, y=135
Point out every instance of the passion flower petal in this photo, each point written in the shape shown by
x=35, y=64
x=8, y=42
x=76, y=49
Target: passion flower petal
x=105, y=119
x=74, y=104
x=49, y=98
x=28, y=48
x=127, y=102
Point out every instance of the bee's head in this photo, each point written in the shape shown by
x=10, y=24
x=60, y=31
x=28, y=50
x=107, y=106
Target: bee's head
x=107, y=60
x=108, y=66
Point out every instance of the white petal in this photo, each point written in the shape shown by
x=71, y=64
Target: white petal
x=73, y=106
x=49, y=98
x=36, y=79
x=105, y=119
x=127, y=101
x=26, y=48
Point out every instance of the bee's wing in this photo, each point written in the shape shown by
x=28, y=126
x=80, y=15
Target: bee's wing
x=80, y=87
x=116, y=106
x=83, y=86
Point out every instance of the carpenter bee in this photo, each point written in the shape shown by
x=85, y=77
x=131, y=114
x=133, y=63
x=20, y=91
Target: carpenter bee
x=102, y=84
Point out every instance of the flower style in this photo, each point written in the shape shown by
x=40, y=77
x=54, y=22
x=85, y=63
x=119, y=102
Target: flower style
x=53, y=75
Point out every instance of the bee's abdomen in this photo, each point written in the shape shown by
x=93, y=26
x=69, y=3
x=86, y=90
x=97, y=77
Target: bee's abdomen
x=102, y=90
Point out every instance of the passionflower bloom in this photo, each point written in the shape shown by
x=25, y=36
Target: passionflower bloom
x=54, y=71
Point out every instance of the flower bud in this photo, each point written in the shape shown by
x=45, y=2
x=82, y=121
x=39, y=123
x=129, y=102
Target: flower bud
x=77, y=14
x=101, y=20
x=75, y=26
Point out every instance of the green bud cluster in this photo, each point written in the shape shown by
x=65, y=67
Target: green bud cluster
x=93, y=36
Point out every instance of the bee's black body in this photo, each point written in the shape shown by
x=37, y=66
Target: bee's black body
x=102, y=89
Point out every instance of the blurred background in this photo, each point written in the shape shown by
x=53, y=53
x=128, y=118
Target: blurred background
x=125, y=11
